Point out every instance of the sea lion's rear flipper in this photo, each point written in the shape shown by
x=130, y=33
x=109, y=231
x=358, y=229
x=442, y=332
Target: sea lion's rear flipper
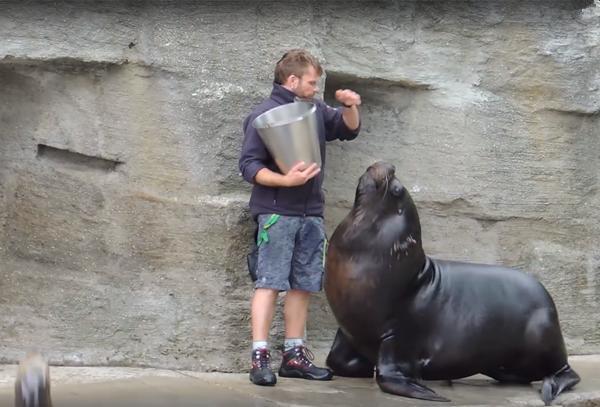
x=345, y=361
x=560, y=381
x=396, y=374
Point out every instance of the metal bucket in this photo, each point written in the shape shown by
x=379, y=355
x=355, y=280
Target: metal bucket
x=290, y=134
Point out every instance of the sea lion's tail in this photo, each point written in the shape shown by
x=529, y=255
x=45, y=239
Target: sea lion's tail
x=32, y=387
x=560, y=381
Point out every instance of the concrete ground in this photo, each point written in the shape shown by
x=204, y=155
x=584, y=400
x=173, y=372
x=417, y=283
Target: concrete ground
x=116, y=387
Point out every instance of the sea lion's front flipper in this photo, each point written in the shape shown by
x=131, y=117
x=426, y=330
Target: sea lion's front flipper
x=406, y=387
x=345, y=361
x=397, y=375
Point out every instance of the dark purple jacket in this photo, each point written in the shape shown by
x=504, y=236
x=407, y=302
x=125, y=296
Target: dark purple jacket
x=303, y=200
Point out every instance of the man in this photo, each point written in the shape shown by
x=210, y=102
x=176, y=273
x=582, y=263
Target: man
x=289, y=211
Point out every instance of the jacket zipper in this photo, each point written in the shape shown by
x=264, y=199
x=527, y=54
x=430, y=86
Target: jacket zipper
x=312, y=187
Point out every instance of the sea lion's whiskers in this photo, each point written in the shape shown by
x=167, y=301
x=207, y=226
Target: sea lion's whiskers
x=386, y=187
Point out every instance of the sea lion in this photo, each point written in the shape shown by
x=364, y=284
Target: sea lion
x=32, y=386
x=412, y=317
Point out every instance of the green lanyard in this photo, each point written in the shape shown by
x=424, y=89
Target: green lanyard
x=263, y=235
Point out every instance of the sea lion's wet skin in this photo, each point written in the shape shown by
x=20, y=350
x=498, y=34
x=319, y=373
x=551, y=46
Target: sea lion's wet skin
x=413, y=317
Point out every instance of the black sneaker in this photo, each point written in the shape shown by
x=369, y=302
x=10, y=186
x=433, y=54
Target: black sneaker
x=261, y=372
x=297, y=363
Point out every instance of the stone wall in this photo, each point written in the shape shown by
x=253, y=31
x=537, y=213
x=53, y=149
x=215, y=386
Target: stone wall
x=123, y=221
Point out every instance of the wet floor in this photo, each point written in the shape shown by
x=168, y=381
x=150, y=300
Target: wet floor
x=147, y=392
x=105, y=387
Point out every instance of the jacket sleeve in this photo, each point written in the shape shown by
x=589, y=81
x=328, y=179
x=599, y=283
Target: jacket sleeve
x=335, y=128
x=254, y=153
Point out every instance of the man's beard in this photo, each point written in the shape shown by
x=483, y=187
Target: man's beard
x=305, y=99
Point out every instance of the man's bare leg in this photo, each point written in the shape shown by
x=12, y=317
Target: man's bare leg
x=263, y=309
x=295, y=311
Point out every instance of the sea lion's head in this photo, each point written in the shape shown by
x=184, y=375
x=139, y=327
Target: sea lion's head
x=379, y=240
x=379, y=187
x=384, y=203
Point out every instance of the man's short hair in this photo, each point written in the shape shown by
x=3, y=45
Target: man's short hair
x=295, y=62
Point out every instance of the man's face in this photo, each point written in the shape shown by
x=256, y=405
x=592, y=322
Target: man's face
x=307, y=85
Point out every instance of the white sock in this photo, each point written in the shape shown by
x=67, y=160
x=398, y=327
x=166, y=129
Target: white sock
x=260, y=345
x=290, y=343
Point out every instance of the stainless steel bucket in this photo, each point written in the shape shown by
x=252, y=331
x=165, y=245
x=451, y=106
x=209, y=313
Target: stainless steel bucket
x=290, y=134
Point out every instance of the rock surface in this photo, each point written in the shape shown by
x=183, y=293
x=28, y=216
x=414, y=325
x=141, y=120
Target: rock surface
x=123, y=221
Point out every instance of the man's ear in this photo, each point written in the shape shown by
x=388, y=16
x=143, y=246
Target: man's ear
x=293, y=81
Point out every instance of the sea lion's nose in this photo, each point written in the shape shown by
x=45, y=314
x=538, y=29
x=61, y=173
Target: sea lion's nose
x=397, y=188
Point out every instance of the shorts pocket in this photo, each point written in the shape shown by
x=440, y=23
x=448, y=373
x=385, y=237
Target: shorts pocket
x=252, y=260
